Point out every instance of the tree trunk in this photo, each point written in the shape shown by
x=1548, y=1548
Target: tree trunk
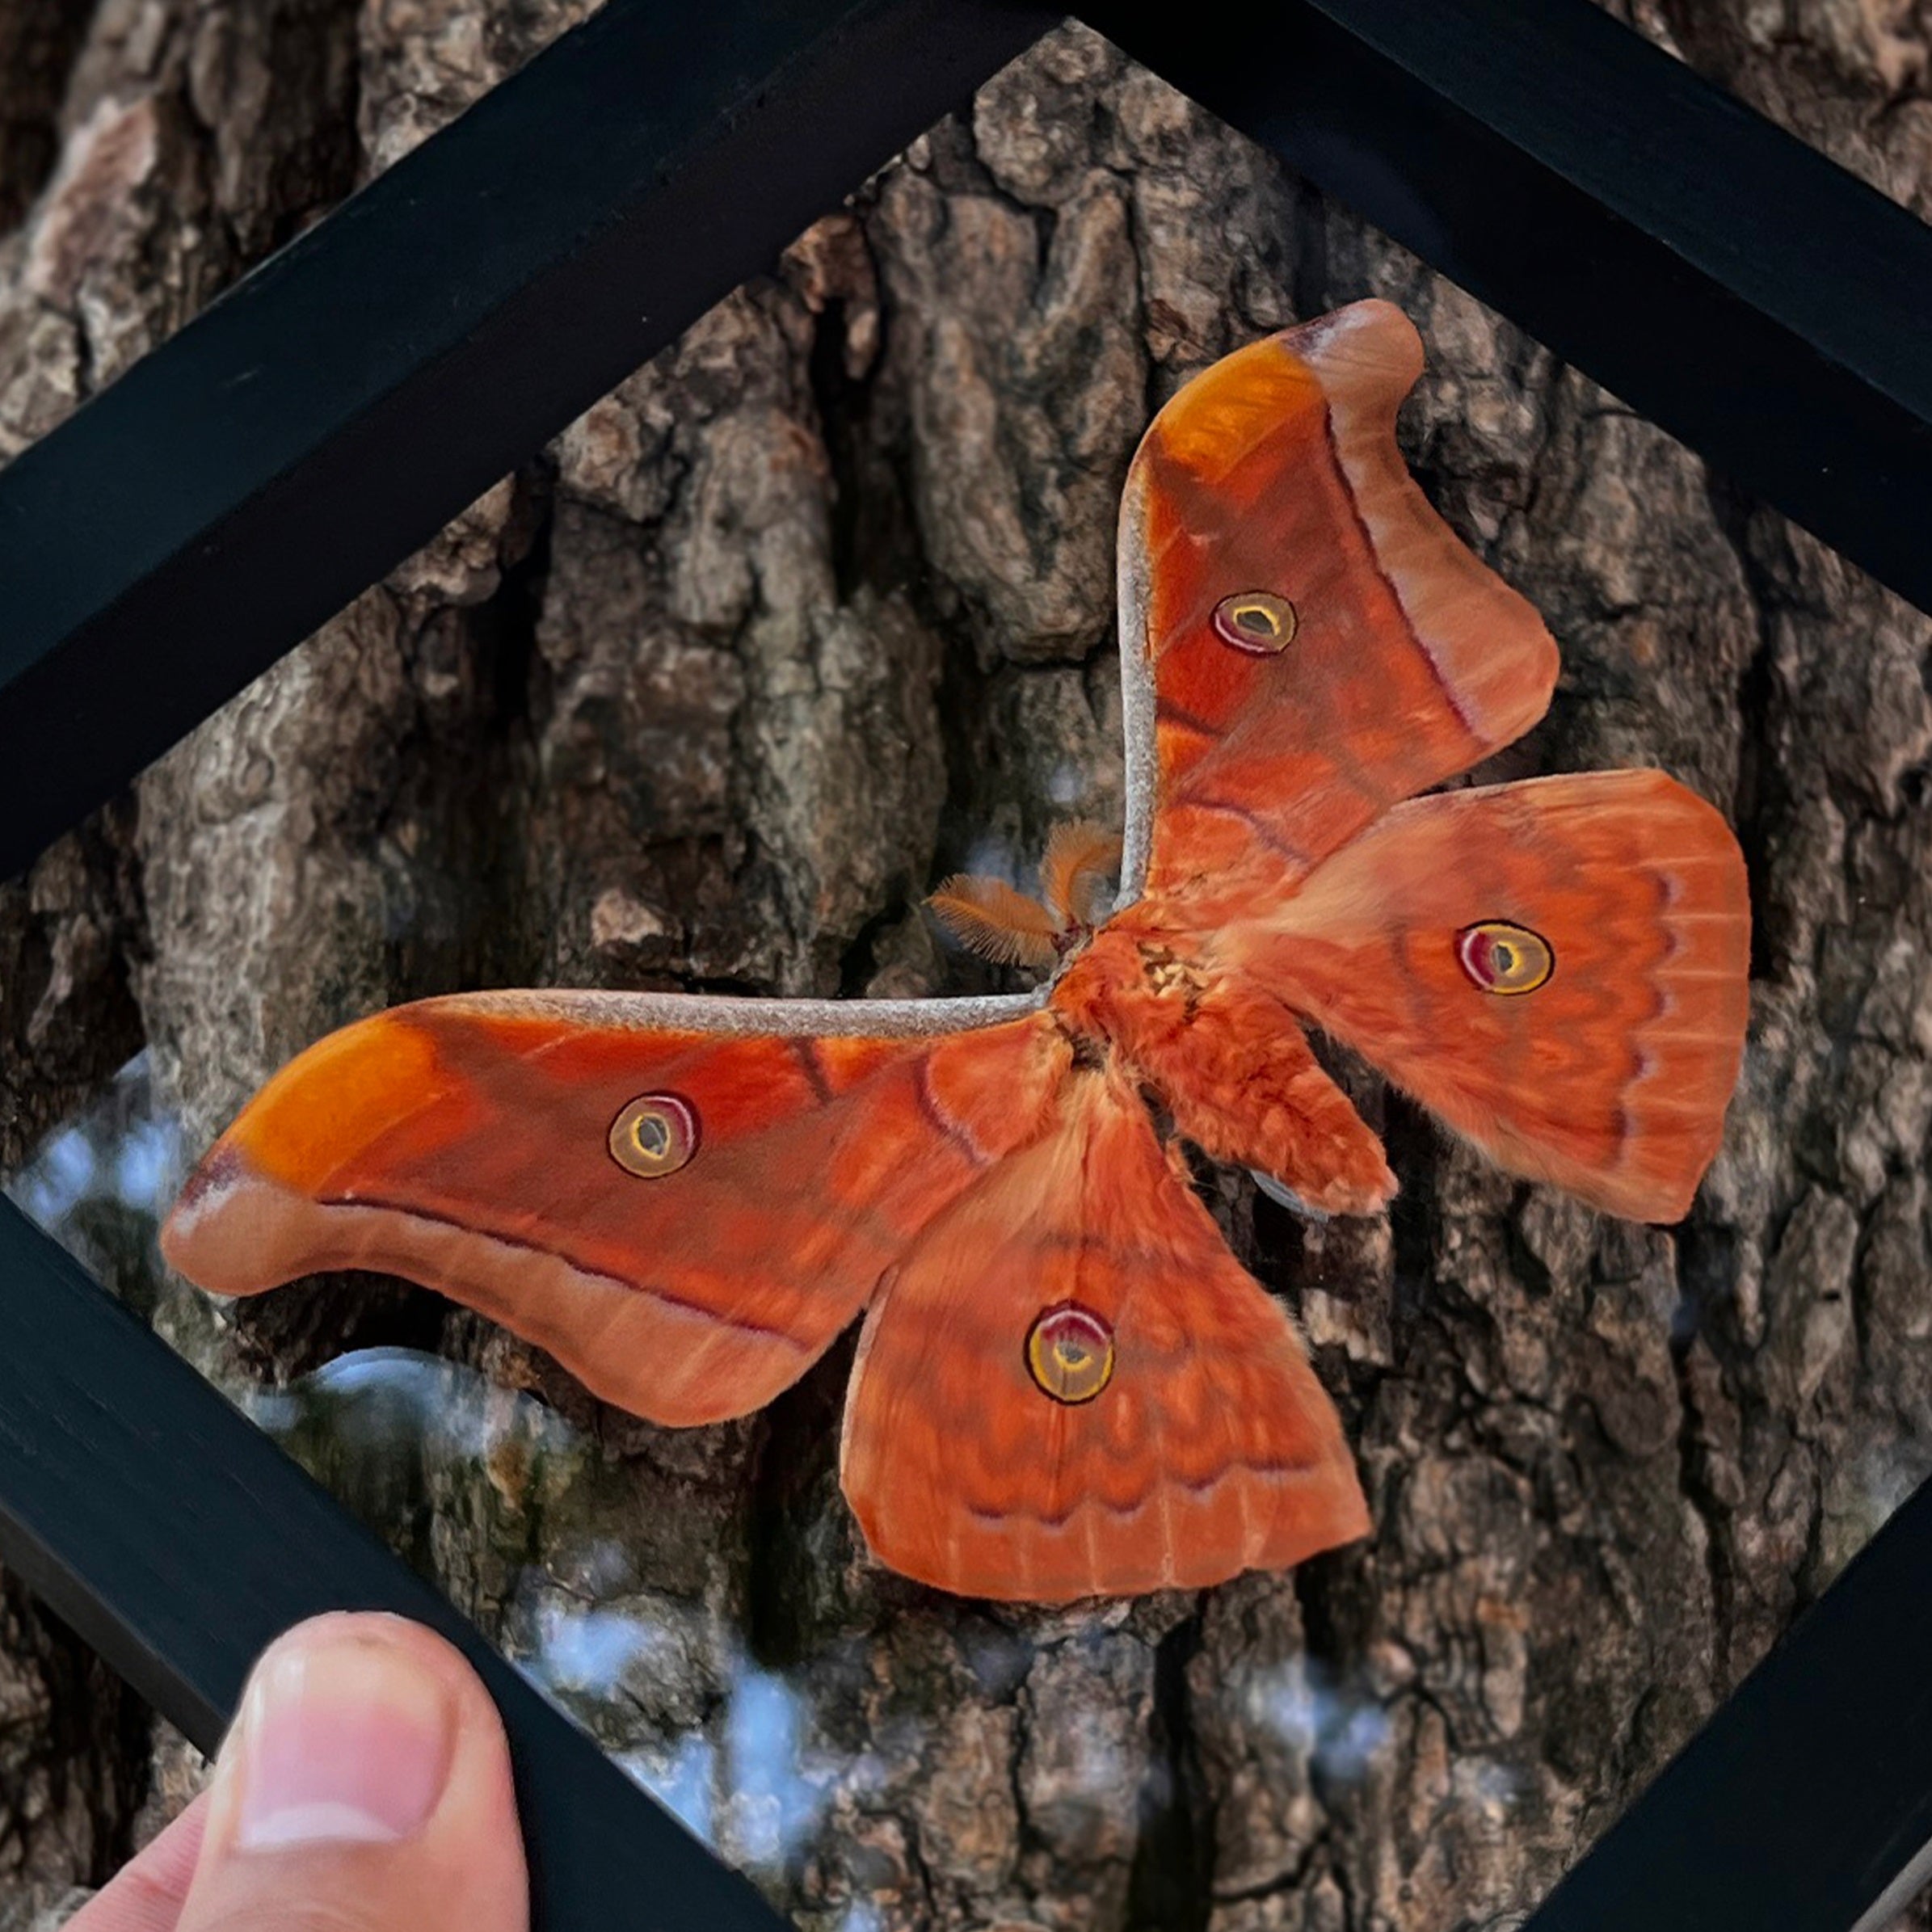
x=814, y=608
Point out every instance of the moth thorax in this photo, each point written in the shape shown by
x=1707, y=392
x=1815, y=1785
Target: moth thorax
x=1167, y=974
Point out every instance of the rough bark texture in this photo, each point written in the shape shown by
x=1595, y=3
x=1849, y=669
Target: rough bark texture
x=814, y=608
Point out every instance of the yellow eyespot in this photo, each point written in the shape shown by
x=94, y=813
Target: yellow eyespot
x=1255, y=620
x=1070, y=1353
x=1505, y=958
x=654, y=1136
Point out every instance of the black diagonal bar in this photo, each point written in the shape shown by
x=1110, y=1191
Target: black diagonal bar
x=239, y=485
x=243, y=482
x=1734, y=287
x=1805, y=1804
x=175, y=1538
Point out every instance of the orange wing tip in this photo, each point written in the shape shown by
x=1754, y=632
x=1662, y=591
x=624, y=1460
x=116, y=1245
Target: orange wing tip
x=1372, y=340
x=231, y=1230
x=239, y=1231
x=1214, y=419
x=1489, y=641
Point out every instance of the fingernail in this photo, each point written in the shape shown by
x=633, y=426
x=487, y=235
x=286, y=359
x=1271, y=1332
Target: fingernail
x=344, y=1739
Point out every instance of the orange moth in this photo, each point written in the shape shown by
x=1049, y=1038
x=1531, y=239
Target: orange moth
x=1065, y=1385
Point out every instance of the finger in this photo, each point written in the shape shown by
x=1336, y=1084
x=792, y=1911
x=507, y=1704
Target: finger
x=147, y=1893
x=366, y=1784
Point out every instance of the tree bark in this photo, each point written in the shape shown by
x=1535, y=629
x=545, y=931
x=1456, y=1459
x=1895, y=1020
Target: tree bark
x=813, y=609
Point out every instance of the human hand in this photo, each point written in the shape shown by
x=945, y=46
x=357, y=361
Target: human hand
x=364, y=1787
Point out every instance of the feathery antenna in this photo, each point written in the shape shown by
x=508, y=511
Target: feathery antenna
x=988, y=917
x=992, y=919
x=1081, y=857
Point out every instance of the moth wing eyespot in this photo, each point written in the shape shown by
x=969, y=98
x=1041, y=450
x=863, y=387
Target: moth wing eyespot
x=1502, y=957
x=1259, y=622
x=654, y=1134
x=1070, y=1353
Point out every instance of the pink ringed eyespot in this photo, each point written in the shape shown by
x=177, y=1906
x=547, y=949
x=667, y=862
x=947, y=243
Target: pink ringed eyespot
x=1501, y=957
x=1070, y=1353
x=654, y=1136
x=1255, y=620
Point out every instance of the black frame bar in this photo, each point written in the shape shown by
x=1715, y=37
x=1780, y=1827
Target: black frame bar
x=1804, y=1804
x=179, y=1541
x=330, y=413
x=156, y=551
x=1747, y=295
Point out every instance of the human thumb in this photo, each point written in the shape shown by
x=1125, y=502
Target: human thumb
x=364, y=1787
